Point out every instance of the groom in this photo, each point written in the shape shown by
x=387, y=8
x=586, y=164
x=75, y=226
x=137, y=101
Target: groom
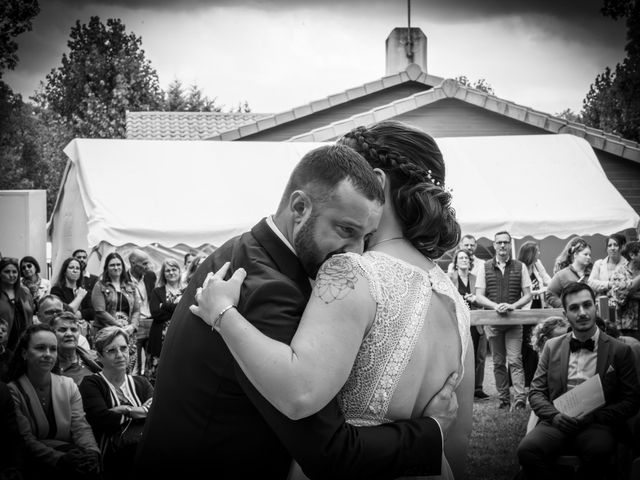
x=206, y=415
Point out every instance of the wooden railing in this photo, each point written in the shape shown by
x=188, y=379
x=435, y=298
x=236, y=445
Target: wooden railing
x=516, y=317
x=530, y=317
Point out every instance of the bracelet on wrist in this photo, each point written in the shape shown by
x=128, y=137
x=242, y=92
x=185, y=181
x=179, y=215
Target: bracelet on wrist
x=216, y=322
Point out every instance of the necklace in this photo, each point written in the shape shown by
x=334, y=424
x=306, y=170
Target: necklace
x=385, y=240
x=43, y=394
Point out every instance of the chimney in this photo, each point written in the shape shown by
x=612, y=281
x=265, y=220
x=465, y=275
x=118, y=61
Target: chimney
x=403, y=51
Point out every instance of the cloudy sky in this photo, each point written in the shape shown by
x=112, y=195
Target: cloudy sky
x=278, y=54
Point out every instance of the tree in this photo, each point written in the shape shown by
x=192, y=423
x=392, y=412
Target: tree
x=194, y=100
x=480, y=84
x=613, y=101
x=570, y=115
x=105, y=74
x=174, y=100
x=15, y=19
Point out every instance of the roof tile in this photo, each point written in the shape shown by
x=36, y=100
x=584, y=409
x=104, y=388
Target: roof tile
x=184, y=125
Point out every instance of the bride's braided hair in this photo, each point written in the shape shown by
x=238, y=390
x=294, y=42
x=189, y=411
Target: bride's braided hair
x=415, y=167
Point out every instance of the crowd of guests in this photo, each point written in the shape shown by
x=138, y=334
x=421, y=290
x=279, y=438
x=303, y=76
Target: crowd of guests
x=78, y=359
x=79, y=355
x=507, y=282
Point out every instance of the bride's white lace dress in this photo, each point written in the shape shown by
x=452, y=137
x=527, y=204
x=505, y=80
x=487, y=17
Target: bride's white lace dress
x=403, y=294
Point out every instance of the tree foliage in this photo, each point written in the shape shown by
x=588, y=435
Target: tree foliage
x=570, y=115
x=105, y=74
x=31, y=144
x=613, y=101
x=15, y=19
x=480, y=84
x=176, y=99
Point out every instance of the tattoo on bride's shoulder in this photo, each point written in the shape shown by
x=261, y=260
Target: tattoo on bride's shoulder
x=335, y=280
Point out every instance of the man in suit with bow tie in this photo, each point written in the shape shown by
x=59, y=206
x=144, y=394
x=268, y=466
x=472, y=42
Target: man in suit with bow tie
x=567, y=361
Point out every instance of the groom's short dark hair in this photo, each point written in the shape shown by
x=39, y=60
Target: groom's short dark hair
x=321, y=170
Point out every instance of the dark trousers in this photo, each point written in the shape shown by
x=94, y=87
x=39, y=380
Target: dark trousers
x=480, y=353
x=529, y=355
x=540, y=448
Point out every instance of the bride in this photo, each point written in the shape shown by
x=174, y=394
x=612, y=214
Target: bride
x=383, y=331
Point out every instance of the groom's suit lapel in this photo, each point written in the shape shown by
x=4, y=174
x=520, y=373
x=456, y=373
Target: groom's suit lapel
x=286, y=261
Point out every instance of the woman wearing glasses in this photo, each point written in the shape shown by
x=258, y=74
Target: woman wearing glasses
x=38, y=286
x=16, y=303
x=116, y=403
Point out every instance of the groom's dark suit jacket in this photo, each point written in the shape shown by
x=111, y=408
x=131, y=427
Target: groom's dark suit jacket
x=206, y=416
x=616, y=367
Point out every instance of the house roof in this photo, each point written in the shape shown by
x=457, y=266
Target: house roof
x=183, y=125
x=450, y=88
x=441, y=89
x=413, y=73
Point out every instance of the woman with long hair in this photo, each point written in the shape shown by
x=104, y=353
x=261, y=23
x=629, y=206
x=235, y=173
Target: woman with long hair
x=400, y=329
x=16, y=302
x=529, y=254
x=163, y=301
x=115, y=301
x=600, y=277
x=68, y=287
x=30, y=272
x=49, y=411
x=116, y=403
x=563, y=260
x=579, y=258
x=623, y=296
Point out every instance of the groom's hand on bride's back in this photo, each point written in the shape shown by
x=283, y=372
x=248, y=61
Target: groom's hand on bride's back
x=444, y=405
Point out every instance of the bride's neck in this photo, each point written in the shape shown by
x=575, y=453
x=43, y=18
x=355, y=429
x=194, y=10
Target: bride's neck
x=388, y=228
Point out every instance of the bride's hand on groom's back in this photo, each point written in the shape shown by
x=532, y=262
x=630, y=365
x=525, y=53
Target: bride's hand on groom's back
x=444, y=404
x=216, y=294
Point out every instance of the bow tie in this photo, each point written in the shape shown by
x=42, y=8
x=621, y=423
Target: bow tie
x=575, y=344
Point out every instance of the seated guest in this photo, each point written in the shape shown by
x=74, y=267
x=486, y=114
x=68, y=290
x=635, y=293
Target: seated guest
x=163, y=302
x=623, y=295
x=30, y=271
x=76, y=299
x=59, y=441
x=552, y=327
x=600, y=276
x=579, y=256
x=73, y=361
x=49, y=307
x=566, y=362
x=11, y=442
x=5, y=353
x=116, y=302
x=16, y=303
x=116, y=403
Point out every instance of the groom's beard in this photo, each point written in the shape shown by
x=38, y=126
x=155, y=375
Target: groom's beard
x=307, y=250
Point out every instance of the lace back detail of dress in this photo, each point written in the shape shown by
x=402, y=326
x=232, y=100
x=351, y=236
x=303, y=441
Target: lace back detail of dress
x=403, y=295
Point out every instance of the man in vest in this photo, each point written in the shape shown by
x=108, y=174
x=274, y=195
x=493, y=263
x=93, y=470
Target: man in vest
x=503, y=285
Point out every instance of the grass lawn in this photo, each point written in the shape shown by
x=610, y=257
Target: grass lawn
x=495, y=436
x=494, y=440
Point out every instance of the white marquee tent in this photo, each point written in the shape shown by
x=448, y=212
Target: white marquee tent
x=159, y=194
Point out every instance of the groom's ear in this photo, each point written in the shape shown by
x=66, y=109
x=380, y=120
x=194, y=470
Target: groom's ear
x=381, y=176
x=299, y=205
